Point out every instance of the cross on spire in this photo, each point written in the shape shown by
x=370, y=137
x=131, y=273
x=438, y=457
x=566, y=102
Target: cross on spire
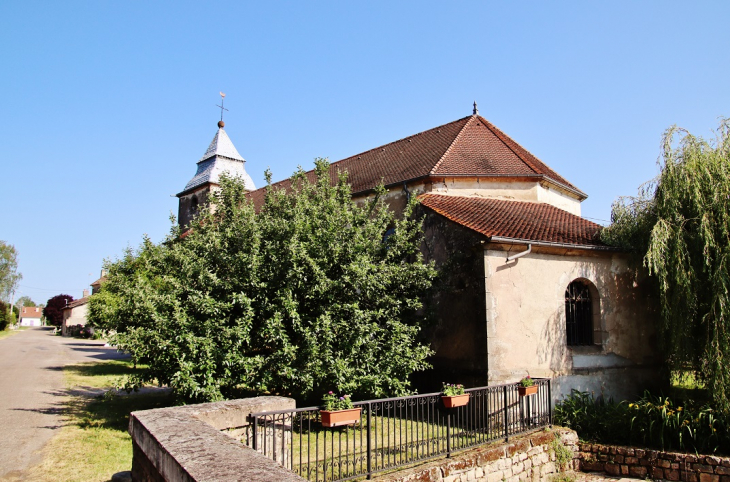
x=223, y=97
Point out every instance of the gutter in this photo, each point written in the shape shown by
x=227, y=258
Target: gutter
x=500, y=239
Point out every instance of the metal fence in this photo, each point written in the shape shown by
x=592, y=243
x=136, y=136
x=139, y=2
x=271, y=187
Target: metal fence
x=394, y=432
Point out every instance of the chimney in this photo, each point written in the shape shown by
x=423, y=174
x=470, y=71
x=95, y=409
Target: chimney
x=86, y=293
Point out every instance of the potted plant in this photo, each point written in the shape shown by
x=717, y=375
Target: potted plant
x=527, y=387
x=338, y=411
x=453, y=395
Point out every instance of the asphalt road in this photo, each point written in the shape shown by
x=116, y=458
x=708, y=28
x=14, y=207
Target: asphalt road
x=32, y=391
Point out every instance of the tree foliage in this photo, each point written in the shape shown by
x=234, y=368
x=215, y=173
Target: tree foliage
x=9, y=276
x=680, y=226
x=53, y=309
x=312, y=293
x=25, y=301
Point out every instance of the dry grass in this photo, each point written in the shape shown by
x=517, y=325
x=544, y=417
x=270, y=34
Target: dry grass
x=94, y=443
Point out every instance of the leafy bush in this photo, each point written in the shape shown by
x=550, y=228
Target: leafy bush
x=310, y=292
x=652, y=421
x=79, y=331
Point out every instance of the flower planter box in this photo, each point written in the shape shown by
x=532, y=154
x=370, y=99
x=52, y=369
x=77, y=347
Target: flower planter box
x=525, y=391
x=337, y=418
x=455, y=400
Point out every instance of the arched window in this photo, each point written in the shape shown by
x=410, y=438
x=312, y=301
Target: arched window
x=578, y=314
x=194, y=205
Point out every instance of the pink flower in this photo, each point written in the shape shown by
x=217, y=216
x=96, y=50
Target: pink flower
x=330, y=392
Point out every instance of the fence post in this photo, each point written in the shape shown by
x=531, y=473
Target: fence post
x=550, y=404
x=506, y=428
x=369, y=448
x=255, y=433
x=448, y=433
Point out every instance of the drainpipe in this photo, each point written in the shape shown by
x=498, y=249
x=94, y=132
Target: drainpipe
x=519, y=255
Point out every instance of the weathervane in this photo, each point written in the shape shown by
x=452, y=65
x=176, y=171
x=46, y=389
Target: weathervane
x=476, y=111
x=223, y=97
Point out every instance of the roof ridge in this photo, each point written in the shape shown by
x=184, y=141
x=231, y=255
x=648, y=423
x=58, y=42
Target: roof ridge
x=382, y=146
x=400, y=140
x=501, y=135
x=456, y=138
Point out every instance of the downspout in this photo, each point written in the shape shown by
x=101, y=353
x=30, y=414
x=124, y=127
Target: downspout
x=519, y=255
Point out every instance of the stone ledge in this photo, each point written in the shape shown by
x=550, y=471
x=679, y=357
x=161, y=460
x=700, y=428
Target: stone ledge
x=186, y=443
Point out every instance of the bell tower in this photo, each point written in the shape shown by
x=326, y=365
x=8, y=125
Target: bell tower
x=220, y=157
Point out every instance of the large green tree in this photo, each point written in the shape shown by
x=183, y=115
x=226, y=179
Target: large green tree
x=9, y=276
x=679, y=225
x=312, y=293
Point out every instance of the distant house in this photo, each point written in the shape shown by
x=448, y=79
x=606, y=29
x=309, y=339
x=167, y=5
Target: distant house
x=75, y=313
x=31, y=316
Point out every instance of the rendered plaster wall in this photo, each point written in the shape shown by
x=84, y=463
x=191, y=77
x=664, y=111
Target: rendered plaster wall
x=525, y=317
x=74, y=316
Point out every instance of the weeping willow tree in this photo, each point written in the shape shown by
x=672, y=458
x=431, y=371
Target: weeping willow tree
x=679, y=225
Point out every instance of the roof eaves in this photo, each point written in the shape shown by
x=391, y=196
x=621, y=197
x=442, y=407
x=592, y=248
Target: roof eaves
x=592, y=247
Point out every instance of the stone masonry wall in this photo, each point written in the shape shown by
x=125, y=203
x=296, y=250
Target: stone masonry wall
x=530, y=457
x=639, y=463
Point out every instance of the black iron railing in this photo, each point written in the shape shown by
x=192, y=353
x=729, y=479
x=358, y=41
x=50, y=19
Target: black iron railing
x=395, y=432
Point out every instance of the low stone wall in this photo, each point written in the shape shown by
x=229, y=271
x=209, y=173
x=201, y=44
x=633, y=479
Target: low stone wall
x=199, y=442
x=530, y=457
x=639, y=463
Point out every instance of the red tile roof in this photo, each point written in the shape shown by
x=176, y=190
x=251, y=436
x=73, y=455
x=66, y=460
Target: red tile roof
x=75, y=303
x=470, y=146
x=31, y=312
x=519, y=220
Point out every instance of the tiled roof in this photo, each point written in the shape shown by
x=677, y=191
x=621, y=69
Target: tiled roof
x=470, y=146
x=99, y=281
x=519, y=220
x=75, y=303
x=221, y=156
x=31, y=312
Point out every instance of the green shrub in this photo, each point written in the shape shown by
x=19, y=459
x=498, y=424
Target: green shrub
x=652, y=421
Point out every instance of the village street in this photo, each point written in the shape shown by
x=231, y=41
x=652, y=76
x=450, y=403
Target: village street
x=32, y=391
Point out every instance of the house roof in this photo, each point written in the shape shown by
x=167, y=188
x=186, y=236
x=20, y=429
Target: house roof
x=470, y=146
x=516, y=220
x=221, y=156
x=75, y=303
x=99, y=281
x=30, y=312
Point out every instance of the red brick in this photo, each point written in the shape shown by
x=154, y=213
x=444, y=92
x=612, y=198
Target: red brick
x=631, y=460
x=657, y=473
x=663, y=463
x=619, y=459
x=640, y=453
x=592, y=466
x=624, y=470
x=613, y=469
x=711, y=460
x=720, y=470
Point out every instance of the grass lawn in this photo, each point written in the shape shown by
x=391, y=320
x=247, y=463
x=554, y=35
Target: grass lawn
x=94, y=444
x=7, y=333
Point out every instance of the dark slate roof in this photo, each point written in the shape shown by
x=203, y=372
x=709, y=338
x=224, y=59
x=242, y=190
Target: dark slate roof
x=470, y=146
x=518, y=220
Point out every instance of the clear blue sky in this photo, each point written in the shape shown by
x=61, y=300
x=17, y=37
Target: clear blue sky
x=107, y=106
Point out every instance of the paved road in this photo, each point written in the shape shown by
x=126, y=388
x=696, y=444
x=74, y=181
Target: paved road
x=32, y=391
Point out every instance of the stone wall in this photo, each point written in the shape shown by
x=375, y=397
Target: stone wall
x=530, y=457
x=640, y=463
x=199, y=442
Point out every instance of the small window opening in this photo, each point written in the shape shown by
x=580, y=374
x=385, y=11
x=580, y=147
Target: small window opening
x=578, y=314
x=194, y=205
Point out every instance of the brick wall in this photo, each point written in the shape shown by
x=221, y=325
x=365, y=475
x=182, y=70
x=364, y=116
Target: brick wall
x=639, y=463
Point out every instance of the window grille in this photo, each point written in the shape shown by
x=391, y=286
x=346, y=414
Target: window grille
x=578, y=314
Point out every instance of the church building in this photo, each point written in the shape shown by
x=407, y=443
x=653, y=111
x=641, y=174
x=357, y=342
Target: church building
x=529, y=288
